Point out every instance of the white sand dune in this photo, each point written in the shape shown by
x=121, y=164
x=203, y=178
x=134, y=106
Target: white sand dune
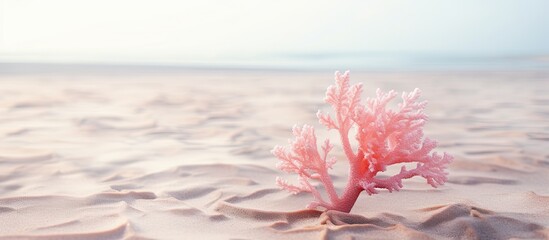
x=185, y=155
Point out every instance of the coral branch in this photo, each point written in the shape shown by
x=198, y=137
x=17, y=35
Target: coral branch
x=385, y=137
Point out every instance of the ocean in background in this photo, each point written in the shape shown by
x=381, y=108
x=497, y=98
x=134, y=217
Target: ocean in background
x=370, y=61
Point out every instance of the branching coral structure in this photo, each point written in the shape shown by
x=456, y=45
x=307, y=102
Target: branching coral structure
x=384, y=137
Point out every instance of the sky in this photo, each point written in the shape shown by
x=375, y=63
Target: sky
x=246, y=31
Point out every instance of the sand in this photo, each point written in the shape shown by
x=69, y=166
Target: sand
x=185, y=155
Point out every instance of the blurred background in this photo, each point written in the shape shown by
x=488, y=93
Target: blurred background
x=296, y=34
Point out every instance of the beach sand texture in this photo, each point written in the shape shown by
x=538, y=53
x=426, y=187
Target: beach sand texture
x=185, y=155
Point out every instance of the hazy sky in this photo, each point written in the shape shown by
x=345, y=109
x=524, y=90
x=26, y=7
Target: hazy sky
x=162, y=30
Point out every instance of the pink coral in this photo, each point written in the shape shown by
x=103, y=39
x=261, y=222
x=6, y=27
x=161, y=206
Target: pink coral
x=385, y=137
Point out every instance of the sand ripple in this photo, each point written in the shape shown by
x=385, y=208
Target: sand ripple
x=185, y=155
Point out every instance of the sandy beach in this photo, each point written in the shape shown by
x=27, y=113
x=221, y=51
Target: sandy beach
x=185, y=154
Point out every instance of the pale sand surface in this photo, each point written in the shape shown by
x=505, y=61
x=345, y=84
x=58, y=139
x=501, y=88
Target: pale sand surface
x=185, y=155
